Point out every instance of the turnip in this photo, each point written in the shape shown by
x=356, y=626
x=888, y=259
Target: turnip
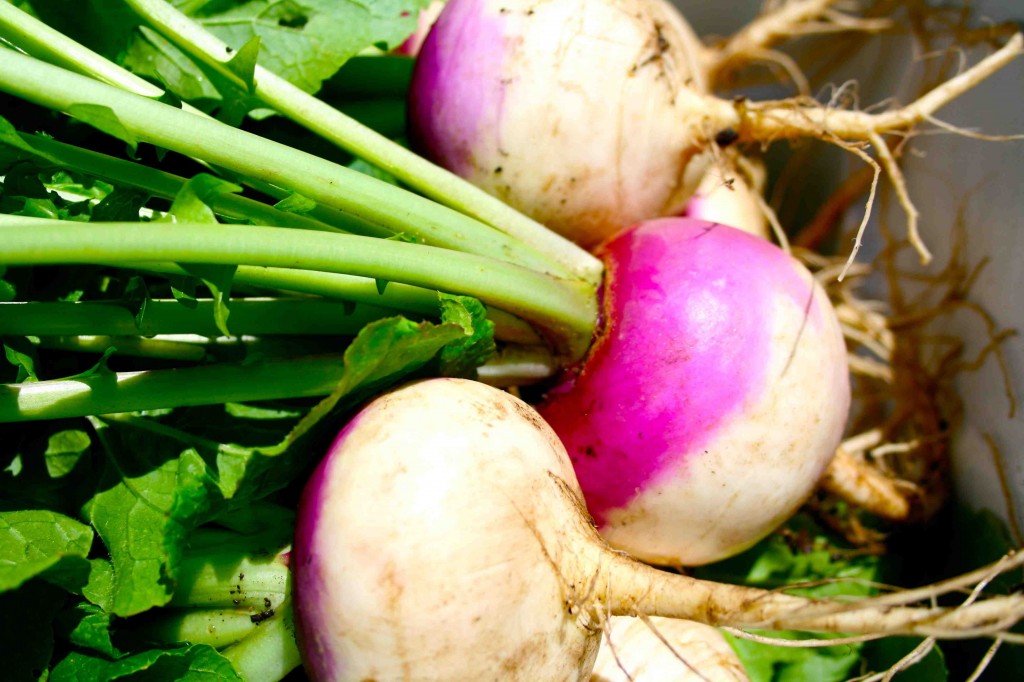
x=590, y=115
x=444, y=537
x=733, y=199
x=659, y=649
x=714, y=398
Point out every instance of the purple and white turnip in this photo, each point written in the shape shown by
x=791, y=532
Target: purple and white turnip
x=713, y=399
x=592, y=115
x=444, y=537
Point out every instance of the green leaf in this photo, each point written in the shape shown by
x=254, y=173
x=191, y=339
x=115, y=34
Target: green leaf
x=104, y=119
x=88, y=626
x=22, y=354
x=243, y=63
x=183, y=289
x=803, y=553
x=136, y=298
x=767, y=663
x=152, y=494
x=100, y=369
x=9, y=136
x=199, y=663
x=152, y=56
x=462, y=357
x=296, y=203
x=7, y=291
x=192, y=205
x=35, y=542
x=218, y=279
x=64, y=449
x=384, y=352
x=308, y=42
x=120, y=205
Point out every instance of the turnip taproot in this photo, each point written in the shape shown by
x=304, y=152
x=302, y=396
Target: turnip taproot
x=713, y=399
x=660, y=649
x=590, y=115
x=444, y=537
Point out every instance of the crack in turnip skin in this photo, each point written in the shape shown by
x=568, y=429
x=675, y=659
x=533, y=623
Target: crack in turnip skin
x=714, y=398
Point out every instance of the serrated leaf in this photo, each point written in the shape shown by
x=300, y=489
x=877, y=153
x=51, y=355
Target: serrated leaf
x=64, y=449
x=35, y=542
x=105, y=120
x=198, y=663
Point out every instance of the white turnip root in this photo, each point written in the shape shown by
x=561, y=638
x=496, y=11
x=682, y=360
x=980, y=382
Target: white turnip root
x=591, y=115
x=444, y=537
x=659, y=649
x=713, y=399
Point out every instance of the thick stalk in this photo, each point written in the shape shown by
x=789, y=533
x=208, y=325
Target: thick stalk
x=269, y=653
x=216, y=627
x=298, y=316
x=566, y=310
x=107, y=393
x=332, y=125
x=367, y=198
x=233, y=580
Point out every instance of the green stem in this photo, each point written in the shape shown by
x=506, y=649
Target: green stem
x=397, y=296
x=367, y=198
x=218, y=628
x=108, y=393
x=565, y=309
x=269, y=653
x=248, y=316
x=40, y=40
x=228, y=578
x=332, y=125
x=159, y=348
x=167, y=185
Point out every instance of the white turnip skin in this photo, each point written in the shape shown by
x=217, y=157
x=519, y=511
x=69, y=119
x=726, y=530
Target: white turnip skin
x=443, y=537
x=660, y=649
x=713, y=399
x=571, y=111
x=591, y=115
x=729, y=198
